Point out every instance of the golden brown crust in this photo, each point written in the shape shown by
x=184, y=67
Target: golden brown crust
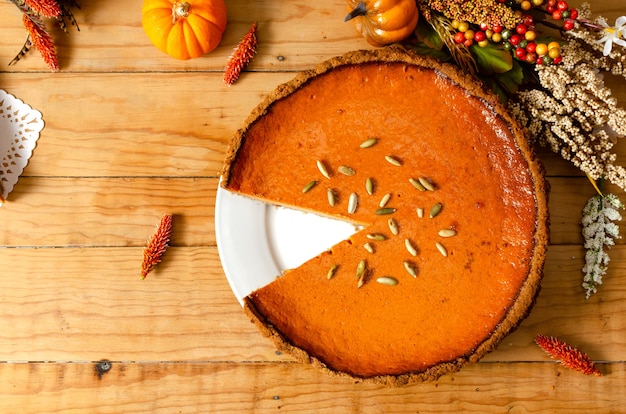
x=531, y=286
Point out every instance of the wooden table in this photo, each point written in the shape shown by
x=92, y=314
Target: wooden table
x=132, y=134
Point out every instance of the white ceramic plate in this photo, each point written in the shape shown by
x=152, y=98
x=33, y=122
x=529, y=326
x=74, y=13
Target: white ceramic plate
x=257, y=241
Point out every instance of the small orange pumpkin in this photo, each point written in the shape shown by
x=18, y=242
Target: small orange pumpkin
x=383, y=22
x=184, y=29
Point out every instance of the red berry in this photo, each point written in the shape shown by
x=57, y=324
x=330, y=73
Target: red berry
x=520, y=53
x=528, y=20
x=573, y=14
x=556, y=15
x=562, y=6
x=484, y=26
x=521, y=28
x=531, y=47
x=479, y=36
x=557, y=60
x=497, y=28
x=550, y=9
x=539, y=61
x=468, y=42
x=568, y=25
x=515, y=39
x=531, y=57
x=459, y=37
x=552, y=3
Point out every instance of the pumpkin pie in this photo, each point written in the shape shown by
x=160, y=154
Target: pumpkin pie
x=448, y=197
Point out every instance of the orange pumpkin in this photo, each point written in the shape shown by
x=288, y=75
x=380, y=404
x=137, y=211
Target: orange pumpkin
x=184, y=29
x=383, y=22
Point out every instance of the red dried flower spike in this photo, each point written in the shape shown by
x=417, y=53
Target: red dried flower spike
x=46, y=8
x=42, y=41
x=242, y=55
x=570, y=357
x=157, y=245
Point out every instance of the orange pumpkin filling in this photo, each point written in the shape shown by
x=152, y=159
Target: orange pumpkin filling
x=451, y=201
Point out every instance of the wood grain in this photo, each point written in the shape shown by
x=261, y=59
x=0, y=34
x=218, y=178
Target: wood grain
x=131, y=134
x=261, y=387
x=84, y=304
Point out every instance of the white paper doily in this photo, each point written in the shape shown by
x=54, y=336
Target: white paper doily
x=19, y=130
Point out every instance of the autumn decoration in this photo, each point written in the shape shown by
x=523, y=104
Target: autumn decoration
x=242, y=55
x=599, y=232
x=35, y=16
x=568, y=355
x=184, y=29
x=157, y=245
x=383, y=22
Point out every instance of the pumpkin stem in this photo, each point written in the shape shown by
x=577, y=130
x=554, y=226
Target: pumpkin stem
x=180, y=10
x=359, y=10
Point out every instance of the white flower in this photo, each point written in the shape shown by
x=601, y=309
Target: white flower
x=599, y=232
x=613, y=34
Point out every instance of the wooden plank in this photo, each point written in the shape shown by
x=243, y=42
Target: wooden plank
x=107, y=211
x=173, y=124
x=88, y=304
x=229, y=388
x=81, y=304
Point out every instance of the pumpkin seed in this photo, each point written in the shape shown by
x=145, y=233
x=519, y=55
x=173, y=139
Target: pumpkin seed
x=393, y=160
x=361, y=282
x=309, y=186
x=385, y=211
x=332, y=271
x=353, y=201
x=441, y=249
x=384, y=200
x=393, y=226
x=376, y=236
x=368, y=143
x=426, y=184
x=322, y=168
x=369, y=247
x=447, y=232
x=409, y=247
x=369, y=186
x=387, y=281
x=410, y=268
x=417, y=184
x=420, y=212
x=360, y=269
x=435, y=210
x=345, y=170
x=332, y=198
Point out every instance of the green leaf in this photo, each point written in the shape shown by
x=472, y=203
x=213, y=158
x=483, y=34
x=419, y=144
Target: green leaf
x=512, y=79
x=492, y=59
x=506, y=84
x=427, y=35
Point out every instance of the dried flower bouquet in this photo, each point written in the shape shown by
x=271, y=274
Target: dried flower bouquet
x=35, y=13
